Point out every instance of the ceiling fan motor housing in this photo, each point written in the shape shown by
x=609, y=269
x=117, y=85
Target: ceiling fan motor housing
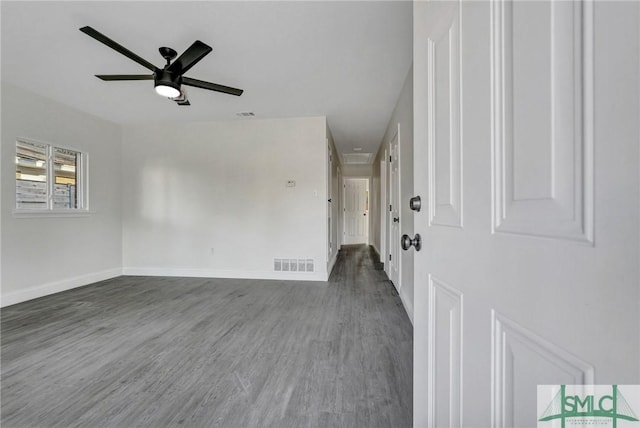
x=165, y=77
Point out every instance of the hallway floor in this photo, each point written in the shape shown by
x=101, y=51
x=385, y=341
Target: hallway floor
x=199, y=352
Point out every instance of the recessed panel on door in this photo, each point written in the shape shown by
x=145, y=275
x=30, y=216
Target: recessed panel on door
x=445, y=150
x=542, y=119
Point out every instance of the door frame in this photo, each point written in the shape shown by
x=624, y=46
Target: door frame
x=383, y=209
x=389, y=226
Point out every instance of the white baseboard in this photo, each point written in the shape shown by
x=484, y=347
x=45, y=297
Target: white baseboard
x=407, y=303
x=11, y=298
x=377, y=251
x=214, y=273
x=332, y=263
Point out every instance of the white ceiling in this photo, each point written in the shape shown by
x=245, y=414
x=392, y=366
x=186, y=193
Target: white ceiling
x=340, y=59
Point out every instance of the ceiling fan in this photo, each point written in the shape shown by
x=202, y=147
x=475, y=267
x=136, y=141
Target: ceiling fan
x=168, y=80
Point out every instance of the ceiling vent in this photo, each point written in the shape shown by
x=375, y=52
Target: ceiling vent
x=357, y=158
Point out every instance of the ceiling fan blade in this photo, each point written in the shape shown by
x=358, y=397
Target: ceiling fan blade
x=211, y=86
x=111, y=77
x=190, y=57
x=118, y=47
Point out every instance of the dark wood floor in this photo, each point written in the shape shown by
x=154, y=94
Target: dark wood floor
x=197, y=352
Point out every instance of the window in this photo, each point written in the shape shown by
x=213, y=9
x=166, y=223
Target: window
x=49, y=178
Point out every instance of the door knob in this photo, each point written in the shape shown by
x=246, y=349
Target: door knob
x=415, y=203
x=406, y=242
x=396, y=219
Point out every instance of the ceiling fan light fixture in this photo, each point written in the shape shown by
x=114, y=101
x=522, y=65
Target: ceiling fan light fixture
x=168, y=91
x=167, y=84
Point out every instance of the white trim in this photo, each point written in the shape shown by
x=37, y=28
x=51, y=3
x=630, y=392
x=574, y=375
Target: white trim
x=30, y=293
x=398, y=186
x=373, y=245
x=406, y=302
x=82, y=183
x=222, y=273
x=332, y=262
x=47, y=143
x=51, y=213
x=340, y=217
x=383, y=210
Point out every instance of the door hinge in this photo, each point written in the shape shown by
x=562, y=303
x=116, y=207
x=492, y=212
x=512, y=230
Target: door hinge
x=390, y=208
x=389, y=257
x=389, y=158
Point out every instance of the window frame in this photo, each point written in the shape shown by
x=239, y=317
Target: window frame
x=82, y=183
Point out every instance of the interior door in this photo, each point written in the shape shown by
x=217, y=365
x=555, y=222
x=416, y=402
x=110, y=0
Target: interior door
x=329, y=201
x=356, y=210
x=526, y=159
x=338, y=197
x=394, y=212
x=384, y=209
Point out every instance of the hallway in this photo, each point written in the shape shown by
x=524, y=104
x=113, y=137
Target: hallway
x=160, y=351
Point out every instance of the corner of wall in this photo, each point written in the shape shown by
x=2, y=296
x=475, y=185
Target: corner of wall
x=36, y=241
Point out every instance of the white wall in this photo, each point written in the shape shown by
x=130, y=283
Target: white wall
x=41, y=256
x=210, y=198
x=402, y=115
x=361, y=171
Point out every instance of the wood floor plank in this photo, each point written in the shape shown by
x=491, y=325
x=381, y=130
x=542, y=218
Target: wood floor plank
x=199, y=352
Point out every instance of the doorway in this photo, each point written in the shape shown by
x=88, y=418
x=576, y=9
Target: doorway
x=393, y=218
x=383, y=209
x=356, y=211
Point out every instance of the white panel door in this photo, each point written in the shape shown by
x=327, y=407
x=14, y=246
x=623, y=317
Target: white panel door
x=356, y=210
x=384, y=210
x=329, y=201
x=525, y=126
x=394, y=212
